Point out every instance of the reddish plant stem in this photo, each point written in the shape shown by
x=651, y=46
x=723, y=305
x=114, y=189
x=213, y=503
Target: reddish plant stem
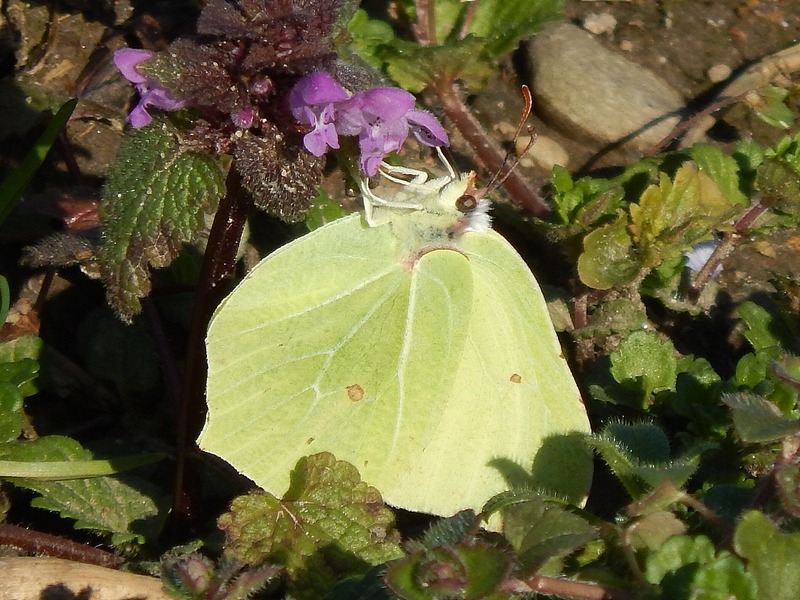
x=567, y=588
x=36, y=542
x=425, y=27
x=219, y=262
x=491, y=157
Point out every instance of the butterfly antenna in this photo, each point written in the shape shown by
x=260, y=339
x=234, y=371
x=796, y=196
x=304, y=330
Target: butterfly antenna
x=497, y=180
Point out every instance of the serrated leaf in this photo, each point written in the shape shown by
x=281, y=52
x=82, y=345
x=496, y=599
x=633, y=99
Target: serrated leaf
x=155, y=199
x=756, y=419
x=607, y=259
x=367, y=35
x=646, y=362
x=773, y=557
x=128, y=511
x=330, y=524
x=639, y=455
x=619, y=315
x=414, y=67
x=505, y=22
x=674, y=215
x=542, y=531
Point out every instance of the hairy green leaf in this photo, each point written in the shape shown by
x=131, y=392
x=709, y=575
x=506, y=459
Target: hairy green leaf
x=156, y=197
x=756, y=419
x=773, y=557
x=329, y=524
x=136, y=515
x=646, y=362
x=639, y=455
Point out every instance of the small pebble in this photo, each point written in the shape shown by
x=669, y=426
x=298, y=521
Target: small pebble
x=719, y=72
x=626, y=45
x=600, y=22
x=545, y=152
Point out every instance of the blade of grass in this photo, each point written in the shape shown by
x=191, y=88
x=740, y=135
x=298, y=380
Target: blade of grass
x=5, y=299
x=11, y=187
x=74, y=469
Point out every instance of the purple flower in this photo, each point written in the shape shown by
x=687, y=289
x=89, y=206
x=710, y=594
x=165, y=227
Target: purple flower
x=312, y=102
x=381, y=118
x=150, y=94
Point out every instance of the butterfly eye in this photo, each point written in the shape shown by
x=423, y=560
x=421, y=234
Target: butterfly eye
x=466, y=203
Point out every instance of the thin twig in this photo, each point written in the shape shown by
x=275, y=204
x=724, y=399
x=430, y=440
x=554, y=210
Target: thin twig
x=472, y=8
x=567, y=588
x=690, y=122
x=36, y=542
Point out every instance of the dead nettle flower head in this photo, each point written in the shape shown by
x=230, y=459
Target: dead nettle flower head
x=381, y=118
x=150, y=94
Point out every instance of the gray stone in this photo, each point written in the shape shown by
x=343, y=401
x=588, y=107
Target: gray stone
x=582, y=87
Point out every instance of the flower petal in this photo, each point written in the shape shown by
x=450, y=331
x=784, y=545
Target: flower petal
x=427, y=129
x=315, y=89
x=385, y=103
x=139, y=117
x=126, y=60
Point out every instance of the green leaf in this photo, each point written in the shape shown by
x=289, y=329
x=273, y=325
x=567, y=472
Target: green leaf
x=13, y=185
x=756, y=419
x=471, y=570
x=644, y=361
x=773, y=108
x=368, y=35
x=688, y=568
x=760, y=326
x=674, y=215
x=505, y=22
x=720, y=167
x=543, y=531
x=773, y=557
x=26, y=346
x=22, y=373
x=156, y=198
x=330, y=524
x=607, y=259
x=414, y=67
x=12, y=417
x=780, y=183
x=639, y=455
x=126, y=508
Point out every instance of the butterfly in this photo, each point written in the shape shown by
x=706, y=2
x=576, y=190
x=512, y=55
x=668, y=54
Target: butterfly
x=412, y=341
